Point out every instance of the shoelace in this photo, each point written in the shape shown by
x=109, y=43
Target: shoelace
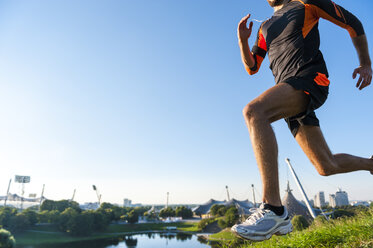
x=256, y=214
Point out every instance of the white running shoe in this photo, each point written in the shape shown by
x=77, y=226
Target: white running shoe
x=262, y=224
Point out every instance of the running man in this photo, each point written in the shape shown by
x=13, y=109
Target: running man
x=291, y=39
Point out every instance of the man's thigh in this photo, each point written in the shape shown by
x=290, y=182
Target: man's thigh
x=281, y=101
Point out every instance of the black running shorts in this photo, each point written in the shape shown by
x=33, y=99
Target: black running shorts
x=317, y=88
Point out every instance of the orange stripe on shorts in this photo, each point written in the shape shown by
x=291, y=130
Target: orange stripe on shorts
x=321, y=79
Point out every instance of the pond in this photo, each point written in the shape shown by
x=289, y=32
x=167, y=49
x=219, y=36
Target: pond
x=149, y=240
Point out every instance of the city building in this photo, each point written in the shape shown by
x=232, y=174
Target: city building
x=340, y=198
x=360, y=203
x=127, y=203
x=319, y=200
x=332, y=201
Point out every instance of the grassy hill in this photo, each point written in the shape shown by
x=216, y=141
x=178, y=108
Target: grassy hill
x=344, y=232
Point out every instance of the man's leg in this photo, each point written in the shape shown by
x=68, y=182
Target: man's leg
x=311, y=140
x=278, y=102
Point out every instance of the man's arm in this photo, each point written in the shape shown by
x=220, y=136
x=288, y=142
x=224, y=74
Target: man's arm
x=244, y=34
x=251, y=60
x=365, y=68
x=331, y=11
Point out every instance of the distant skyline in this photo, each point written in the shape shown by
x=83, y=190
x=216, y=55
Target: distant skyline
x=141, y=98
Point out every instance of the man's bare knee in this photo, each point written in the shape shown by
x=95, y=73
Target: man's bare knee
x=325, y=167
x=252, y=112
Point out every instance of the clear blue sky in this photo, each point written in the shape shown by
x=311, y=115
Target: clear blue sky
x=145, y=97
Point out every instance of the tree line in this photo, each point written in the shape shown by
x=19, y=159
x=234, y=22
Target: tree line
x=68, y=217
x=71, y=219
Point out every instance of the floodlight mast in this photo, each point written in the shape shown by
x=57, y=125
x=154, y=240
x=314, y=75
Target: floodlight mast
x=7, y=192
x=252, y=186
x=310, y=209
x=41, y=196
x=227, y=193
x=72, y=198
x=98, y=194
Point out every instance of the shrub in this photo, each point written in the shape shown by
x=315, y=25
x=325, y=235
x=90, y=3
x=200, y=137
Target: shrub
x=231, y=216
x=6, y=239
x=299, y=223
x=205, y=222
x=319, y=221
x=222, y=224
x=342, y=213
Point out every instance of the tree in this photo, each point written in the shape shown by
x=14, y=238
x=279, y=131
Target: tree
x=184, y=212
x=81, y=224
x=6, y=239
x=106, y=205
x=53, y=216
x=31, y=215
x=133, y=217
x=218, y=210
x=100, y=222
x=214, y=209
x=167, y=212
x=5, y=214
x=19, y=223
x=59, y=205
x=65, y=217
x=43, y=216
x=141, y=210
x=299, y=223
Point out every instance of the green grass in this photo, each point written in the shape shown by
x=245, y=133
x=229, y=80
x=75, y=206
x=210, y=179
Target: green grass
x=342, y=233
x=56, y=237
x=224, y=235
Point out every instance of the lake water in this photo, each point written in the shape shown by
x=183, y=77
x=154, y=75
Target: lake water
x=150, y=240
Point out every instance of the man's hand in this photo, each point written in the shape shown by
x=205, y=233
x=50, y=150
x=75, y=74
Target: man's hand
x=365, y=78
x=243, y=32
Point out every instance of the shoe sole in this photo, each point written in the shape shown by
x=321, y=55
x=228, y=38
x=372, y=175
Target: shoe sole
x=282, y=230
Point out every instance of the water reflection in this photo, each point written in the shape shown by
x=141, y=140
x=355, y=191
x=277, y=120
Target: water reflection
x=148, y=240
x=130, y=242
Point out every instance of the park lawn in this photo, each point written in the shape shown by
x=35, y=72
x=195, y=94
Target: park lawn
x=52, y=235
x=34, y=238
x=345, y=232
